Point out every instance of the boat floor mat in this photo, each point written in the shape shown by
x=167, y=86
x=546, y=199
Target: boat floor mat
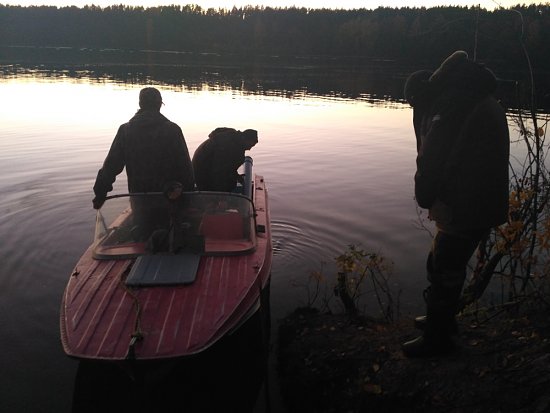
x=153, y=270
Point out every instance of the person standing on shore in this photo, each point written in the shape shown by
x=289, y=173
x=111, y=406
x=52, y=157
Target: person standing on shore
x=461, y=178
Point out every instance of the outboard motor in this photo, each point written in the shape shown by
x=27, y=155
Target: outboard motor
x=247, y=187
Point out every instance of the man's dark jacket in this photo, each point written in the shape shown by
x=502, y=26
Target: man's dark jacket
x=154, y=152
x=217, y=159
x=462, y=164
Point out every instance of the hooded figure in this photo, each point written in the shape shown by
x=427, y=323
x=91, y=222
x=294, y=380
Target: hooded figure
x=152, y=149
x=462, y=163
x=217, y=160
x=462, y=178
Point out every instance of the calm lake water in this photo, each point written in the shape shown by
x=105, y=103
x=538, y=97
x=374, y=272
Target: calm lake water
x=338, y=171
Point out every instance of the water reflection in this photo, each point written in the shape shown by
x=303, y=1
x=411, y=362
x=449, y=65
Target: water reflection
x=290, y=77
x=294, y=77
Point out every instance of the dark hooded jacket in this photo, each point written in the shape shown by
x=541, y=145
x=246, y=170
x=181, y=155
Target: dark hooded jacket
x=154, y=152
x=462, y=163
x=217, y=160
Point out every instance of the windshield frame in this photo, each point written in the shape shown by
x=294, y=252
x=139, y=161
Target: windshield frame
x=199, y=222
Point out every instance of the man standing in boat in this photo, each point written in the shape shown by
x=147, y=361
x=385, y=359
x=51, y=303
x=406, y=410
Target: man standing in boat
x=152, y=149
x=217, y=160
x=461, y=178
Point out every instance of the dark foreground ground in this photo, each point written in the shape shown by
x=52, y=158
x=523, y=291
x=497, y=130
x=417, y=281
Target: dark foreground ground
x=331, y=363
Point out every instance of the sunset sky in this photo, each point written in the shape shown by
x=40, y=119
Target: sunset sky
x=332, y=4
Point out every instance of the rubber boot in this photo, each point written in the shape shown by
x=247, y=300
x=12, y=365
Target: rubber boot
x=421, y=320
x=436, y=339
x=428, y=346
x=433, y=342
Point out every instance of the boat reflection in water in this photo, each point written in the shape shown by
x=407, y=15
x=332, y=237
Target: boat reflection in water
x=170, y=304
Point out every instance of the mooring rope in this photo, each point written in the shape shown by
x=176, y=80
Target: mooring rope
x=137, y=334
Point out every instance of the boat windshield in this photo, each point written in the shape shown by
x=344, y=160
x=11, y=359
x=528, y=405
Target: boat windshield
x=212, y=223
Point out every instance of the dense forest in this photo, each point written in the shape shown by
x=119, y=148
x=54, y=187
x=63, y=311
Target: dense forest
x=404, y=35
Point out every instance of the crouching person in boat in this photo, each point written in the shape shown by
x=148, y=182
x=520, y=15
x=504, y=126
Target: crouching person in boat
x=153, y=151
x=461, y=177
x=217, y=160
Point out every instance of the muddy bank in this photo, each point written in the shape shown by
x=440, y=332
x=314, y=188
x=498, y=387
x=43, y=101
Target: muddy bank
x=331, y=363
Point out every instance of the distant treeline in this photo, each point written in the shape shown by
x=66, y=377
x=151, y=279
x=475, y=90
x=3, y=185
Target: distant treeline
x=405, y=35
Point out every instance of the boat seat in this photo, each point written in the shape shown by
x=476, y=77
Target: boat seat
x=226, y=225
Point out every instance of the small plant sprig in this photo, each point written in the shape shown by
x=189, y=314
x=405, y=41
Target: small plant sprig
x=356, y=269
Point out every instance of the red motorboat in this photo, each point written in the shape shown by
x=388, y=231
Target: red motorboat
x=169, y=276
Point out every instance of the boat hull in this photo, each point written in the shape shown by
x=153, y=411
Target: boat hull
x=233, y=370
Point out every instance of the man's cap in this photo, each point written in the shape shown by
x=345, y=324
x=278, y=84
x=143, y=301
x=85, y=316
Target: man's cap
x=150, y=98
